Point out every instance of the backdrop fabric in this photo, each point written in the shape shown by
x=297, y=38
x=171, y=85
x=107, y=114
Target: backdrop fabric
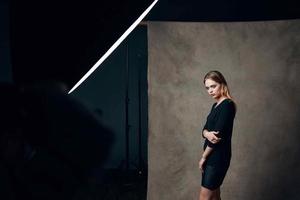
x=261, y=62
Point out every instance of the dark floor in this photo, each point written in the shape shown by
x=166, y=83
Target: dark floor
x=118, y=185
x=113, y=185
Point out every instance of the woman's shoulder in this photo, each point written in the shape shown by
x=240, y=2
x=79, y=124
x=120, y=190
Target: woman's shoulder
x=229, y=101
x=229, y=104
x=226, y=103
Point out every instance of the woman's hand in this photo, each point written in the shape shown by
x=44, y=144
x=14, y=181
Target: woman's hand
x=211, y=136
x=201, y=164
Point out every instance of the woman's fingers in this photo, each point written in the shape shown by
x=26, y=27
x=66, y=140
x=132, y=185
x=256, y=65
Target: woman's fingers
x=214, y=139
x=201, y=169
x=201, y=163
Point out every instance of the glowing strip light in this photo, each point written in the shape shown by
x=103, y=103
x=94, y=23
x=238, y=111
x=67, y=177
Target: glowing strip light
x=114, y=46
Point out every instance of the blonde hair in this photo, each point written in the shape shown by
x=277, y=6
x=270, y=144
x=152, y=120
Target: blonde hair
x=219, y=78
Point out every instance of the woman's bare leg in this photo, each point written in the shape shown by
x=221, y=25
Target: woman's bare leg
x=206, y=194
x=217, y=194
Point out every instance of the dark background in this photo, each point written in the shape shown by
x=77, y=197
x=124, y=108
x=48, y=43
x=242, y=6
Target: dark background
x=62, y=40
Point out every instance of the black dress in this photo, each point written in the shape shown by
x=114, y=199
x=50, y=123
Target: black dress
x=220, y=119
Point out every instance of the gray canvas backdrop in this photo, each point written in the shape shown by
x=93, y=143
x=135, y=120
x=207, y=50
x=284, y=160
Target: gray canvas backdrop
x=261, y=62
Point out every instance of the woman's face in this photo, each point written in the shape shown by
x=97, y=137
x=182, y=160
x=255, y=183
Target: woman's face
x=213, y=88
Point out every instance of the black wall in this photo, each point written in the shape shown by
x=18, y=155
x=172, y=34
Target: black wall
x=224, y=10
x=117, y=91
x=63, y=39
x=5, y=63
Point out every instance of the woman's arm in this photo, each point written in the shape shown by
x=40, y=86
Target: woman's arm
x=205, y=154
x=211, y=136
x=225, y=119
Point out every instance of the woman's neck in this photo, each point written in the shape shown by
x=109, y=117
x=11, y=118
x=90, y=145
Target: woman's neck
x=220, y=99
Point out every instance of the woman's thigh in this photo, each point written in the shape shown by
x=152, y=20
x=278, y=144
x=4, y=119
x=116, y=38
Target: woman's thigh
x=213, y=177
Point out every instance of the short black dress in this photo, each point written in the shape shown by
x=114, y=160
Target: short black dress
x=220, y=119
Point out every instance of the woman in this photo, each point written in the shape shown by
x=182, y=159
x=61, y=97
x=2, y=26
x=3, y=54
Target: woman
x=217, y=132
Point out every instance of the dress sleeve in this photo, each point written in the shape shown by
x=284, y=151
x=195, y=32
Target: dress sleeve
x=205, y=127
x=224, y=121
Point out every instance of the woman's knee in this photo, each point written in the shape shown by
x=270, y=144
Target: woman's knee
x=206, y=194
